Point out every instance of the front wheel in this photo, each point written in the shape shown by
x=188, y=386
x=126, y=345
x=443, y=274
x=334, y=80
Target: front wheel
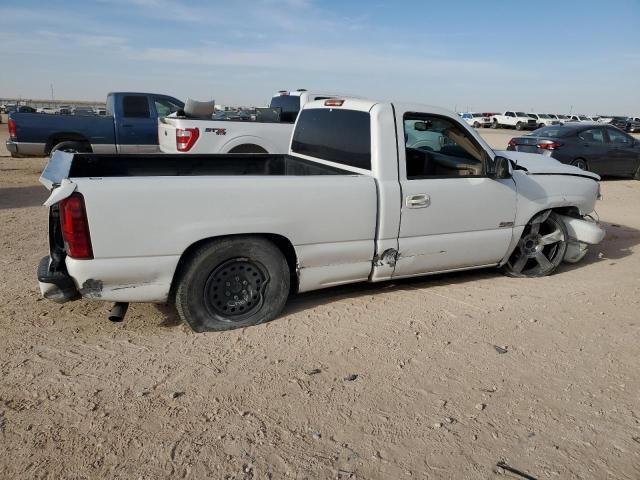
x=494, y=124
x=476, y=125
x=541, y=248
x=519, y=126
x=233, y=283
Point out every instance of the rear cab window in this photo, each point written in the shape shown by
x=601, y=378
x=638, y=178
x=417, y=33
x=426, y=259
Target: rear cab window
x=135, y=106
x=289, y=106
x=334, y=135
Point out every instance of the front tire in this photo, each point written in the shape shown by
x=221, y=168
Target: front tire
x=519, y=126
x=476, y=125
x=233, y=283
x=541, y=248
x=494, y=124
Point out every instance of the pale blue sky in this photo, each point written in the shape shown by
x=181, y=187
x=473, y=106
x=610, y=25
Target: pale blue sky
x=485, y=55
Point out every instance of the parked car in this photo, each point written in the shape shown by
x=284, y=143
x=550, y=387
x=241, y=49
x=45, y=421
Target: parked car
x=49, y=110
x=620, y=122
x=237, y=132
x=579, y=118
x=129, y=126
x=633, y=124
x=517, y=120
x=476, y=120
x=25, y=109
x=543, y=120
x=83, y=111
x=603, y=149
x=370, y=191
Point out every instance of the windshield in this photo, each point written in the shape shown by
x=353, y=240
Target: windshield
x=521, y=114
x=583, y=117
x=543, y=115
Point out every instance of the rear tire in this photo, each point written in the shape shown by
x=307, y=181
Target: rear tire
x=233, y=283
x=581, y=163
x=72, y=147
x=637, y=174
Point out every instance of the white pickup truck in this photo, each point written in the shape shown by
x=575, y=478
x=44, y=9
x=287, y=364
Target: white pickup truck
x=269, y=132
x=370, y=191
x=517, y=120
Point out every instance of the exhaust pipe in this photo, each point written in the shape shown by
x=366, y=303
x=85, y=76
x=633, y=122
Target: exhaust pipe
x=118, y=311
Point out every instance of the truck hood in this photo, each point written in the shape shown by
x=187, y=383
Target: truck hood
x=536, y=164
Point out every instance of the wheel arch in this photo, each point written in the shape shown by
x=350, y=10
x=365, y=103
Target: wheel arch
x=281, y=242
x=58, y=137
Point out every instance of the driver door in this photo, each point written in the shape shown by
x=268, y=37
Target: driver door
x=453, y=215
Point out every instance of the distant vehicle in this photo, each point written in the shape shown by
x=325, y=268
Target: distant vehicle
x=476, y=120
x=101, y=111
x=633, y=124
x=130, y=126
x=267, y=131
x=82, y=111
x=579, y=118
x=64, y=111
x=544, y=120
x=601, y=149
x=620, y=122
x=49, y=110
x=517, y=120
x=9, y=107
x=25, y=109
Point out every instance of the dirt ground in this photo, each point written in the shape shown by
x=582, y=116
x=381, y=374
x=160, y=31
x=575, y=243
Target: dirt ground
x=388, y=381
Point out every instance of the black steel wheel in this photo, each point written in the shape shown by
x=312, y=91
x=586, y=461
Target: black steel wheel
x=541, y=248
x=232, y=283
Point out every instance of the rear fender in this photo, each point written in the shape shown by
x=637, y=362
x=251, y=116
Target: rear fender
x=247, y=140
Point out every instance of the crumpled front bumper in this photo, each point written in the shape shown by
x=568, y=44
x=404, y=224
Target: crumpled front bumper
x=57, y=286
x=582, y=233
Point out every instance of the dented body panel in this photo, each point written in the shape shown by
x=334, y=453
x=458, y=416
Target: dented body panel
x=346, y=225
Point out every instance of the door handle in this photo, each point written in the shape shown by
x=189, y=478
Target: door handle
x=418, y=201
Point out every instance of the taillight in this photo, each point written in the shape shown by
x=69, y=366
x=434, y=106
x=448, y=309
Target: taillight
x=12, y=128
x=186, y=138
x=549, y=145
x=512, y=143
x=75, y=227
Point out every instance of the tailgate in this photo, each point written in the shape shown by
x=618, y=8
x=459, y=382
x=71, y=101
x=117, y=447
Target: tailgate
x=167, y=135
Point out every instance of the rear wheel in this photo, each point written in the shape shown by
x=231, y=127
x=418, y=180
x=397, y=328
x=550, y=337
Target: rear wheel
x=541, y=248
x=72, y=147
x=581, y=163
x=233, y=283
x=636, y=176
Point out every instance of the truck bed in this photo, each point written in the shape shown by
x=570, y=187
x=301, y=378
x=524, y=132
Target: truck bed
x=65, y=165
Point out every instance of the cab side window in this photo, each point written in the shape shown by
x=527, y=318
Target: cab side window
x=438, y=147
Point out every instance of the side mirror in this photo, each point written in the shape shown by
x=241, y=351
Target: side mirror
x=498, y=168
x=422, y=126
